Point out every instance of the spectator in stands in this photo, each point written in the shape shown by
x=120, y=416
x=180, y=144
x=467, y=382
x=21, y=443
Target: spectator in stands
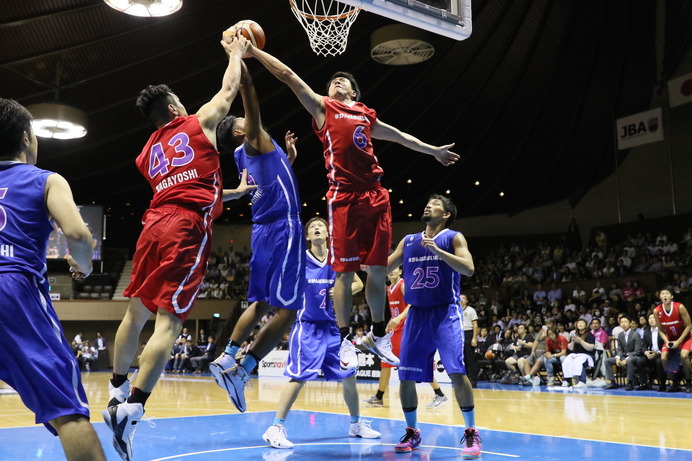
x=202, y=339
x=201, y=362
x=581, y=345
x=483, y=341
x=555, y=349
x=555, y=293
x=359, y=337
x=628, y=291
x=539, y=296
x=521, y=347
x=629, y=354
x=78, y=339
x=578, y=292
x=614, y=290
x=182, y=356
x=185, y=334
x=87, y=356
x=652, y=351
x=570, y=305
x=598, y=293
x=642, y=325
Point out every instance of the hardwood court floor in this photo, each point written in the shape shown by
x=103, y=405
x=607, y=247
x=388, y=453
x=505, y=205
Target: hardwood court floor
x=532, y=423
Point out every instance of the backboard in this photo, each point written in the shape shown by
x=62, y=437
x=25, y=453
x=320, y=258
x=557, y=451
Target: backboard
x=451, y=18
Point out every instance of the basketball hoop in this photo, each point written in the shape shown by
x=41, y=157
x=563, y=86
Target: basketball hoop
x=326, y=22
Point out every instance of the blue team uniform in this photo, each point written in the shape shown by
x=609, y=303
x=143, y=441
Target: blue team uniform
x=435, y=319
x=277, y=266
x=43, y=368
x=315, y=340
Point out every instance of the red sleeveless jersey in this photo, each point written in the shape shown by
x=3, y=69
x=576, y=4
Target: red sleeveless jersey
x=182, y=167
x=348, y=153
x=672, y=323
x=396, y=298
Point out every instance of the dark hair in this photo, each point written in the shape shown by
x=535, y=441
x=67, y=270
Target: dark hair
x=669, y=289
x=225, y=141
x=625, y=316
x=153, y=102
x=313, y=219
x=350, y=78
x=448, y=206
x=14, y=121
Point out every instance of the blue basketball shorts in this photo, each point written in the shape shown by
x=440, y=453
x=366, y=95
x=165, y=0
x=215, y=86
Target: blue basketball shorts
x=428, y=329
x=277, y=266
x=37, y=360
x=314, y=346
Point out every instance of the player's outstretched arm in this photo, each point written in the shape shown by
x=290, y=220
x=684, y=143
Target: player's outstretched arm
x=242, y=189
x=254, y=133
x=62, y=208
x=211, y=113
x=396, y=258
x=381, y=130
x=312, y=101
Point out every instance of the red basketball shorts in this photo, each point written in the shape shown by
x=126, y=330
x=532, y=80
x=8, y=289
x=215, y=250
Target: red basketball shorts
x=684, y=346
x=360, y=228
x=170, y=259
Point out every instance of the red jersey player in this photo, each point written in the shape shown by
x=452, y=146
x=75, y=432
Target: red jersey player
x=674, y=327
x=181, y=163
x=358, y=206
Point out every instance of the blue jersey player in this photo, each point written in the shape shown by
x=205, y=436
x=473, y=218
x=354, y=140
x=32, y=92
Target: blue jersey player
x=314, y=342
x=433, y=262
x=277, y=266
x=46, y=374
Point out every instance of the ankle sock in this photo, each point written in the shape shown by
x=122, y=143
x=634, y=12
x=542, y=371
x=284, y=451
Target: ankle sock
x=118, y=380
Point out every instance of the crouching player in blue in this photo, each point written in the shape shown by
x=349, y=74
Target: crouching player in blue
x=315, y=341
x=433, y=262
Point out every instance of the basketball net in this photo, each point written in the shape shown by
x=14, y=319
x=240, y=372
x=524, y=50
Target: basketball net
x=326, y=22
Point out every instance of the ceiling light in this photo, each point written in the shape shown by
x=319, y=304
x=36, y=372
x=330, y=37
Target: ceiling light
x=58, y=121
x=146, y=8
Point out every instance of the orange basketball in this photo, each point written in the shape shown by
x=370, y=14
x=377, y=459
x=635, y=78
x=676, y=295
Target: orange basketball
x=250, y=30
x=489, y=355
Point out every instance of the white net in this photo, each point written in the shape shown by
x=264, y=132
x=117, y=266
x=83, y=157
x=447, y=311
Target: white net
x=326, y=22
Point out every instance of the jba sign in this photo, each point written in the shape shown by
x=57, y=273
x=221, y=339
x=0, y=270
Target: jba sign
x=641, y=128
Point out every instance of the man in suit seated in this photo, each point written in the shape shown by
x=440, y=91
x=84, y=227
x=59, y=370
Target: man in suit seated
x=652, y=350
x=201, y=362
x=630, y=354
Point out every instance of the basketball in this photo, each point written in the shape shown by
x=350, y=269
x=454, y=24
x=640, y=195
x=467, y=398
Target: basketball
x=250, y=30
x=489, y=355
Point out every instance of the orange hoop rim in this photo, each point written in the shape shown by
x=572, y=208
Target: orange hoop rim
x=313, y=17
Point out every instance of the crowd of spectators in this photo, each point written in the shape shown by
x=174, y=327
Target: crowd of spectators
x=228, y=275
x=91, y=355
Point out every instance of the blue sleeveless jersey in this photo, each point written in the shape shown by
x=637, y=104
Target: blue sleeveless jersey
x=277, y=193
x=317, y=306
x=429, y=280
x=24, y=223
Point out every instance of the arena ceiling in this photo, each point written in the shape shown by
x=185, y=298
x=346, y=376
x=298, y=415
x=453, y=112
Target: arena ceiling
x=529, y=99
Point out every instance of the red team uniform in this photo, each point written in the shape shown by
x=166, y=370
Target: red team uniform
x=183, y=169
x=673, y=325
x=360, y=217
x=397, y=305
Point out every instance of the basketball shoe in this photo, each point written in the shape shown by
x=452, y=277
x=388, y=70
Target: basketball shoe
x=362, y=429
x=234, y=382
x=118, y=394
x=276, y=437
x=374, y=401
x=348, y=359
x=409, y=441
x=218, y=366
x=122, y=420
x=472, y=444
x=381, y=347
x=437, y=401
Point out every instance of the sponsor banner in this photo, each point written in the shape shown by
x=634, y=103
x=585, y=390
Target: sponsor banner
x=272, y=364
x=680, y=90
x=641, y=128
